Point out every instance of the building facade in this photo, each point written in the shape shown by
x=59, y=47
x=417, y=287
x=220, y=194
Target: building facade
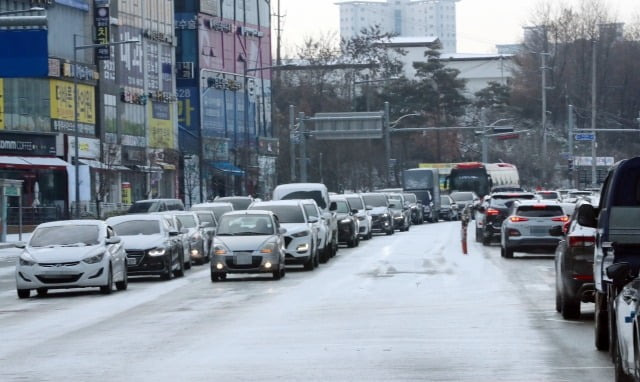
x=224, y=97
x=408, y=18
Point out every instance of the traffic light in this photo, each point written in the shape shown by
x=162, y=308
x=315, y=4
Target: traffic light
x=570, y=164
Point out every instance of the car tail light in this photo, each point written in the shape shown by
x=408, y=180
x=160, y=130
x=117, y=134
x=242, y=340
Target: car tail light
x=518, y=219
x=582, y=241
x=492, y=212
x=583, y=277
x=563, y=219
x=565, y=227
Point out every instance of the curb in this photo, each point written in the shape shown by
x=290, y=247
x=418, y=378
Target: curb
x=7, y=245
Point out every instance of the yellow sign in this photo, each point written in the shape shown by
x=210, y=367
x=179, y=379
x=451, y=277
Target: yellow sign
x=63, y=105
x=1, y=104
x=126, y=193
x=160, y=120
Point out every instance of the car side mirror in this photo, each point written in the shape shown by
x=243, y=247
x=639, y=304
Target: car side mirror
x=20, y=245
x=282, y=231
x=313, y=219
x=587, y=216
x=620, y=272
x=174, y=233
x=113, y=240
x=354, y=211
x=556, y=231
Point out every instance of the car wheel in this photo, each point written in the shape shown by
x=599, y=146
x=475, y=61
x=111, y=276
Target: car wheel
x=168, y=274
x=620, y=374
x=42, y=292
x=108, y=288
x=601, y=325
x=570, y=308
x=370, y=235
x=558, y=301
x=24, y=293
x=180, y=271
x=508, y=253
x=277, y=275
x=308, y=265
x=352, y=242
x=486, y=240
x=479, y=235
x=215, y=277
x=124, y=284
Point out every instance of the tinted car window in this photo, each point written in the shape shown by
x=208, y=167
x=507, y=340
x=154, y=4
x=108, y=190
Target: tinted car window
x=539, y=212
x=65, y=235
x=411, y=198
x=207, y=218
x=343, y=207
x=461, y=196
x=315, y=195
x=356, y=203
x=548, y=195
x=137, y=227
x=187, y=221
x=375, y=200
x=286, y=214
x=141, y=207
x=311, y=210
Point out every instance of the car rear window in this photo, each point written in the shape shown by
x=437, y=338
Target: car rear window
x=356, y=203
x=461, y=196
x=539, y=211
x=375, y=200
x=286, y=214
x=315, y=195
x=502, y=200
x=137, y=227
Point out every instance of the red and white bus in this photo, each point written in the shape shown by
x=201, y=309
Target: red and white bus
x=481, y=178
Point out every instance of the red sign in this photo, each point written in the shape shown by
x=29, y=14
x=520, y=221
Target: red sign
x=508, y=136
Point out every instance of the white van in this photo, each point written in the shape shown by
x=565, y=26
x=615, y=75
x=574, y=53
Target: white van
x=320, y=194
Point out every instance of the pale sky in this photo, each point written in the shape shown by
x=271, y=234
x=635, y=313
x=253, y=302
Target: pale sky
x=481, y=24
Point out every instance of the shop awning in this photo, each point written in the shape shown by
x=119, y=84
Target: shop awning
x=166, y=166
x=227, y=168
x=32, y=162
x=99, y=165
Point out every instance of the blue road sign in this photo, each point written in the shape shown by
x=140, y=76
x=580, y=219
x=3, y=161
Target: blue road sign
x=585, y=137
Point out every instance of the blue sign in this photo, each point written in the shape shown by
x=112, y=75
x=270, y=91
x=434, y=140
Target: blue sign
x=24, y=53
x=585, y=137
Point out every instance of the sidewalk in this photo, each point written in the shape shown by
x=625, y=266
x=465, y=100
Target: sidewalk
x=13, y=238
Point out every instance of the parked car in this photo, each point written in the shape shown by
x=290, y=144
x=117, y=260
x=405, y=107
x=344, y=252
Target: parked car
x=448, y=208
x=156, y=205
x=574, y=266
x=528, y=227
x=490, y=214
x=365, y=229
x=417, y=210
x=183, y=237
x=549, y=195
x=625, y=306
x=71, y=254
x=321, y=229
x=301, y=242
x=347, y=222
x=381, y=216
x=400, y=210
x=218, y=208
x=249, y=241
x=153, y=246
x=239, y=202
x=617, y=224
x=320, y=194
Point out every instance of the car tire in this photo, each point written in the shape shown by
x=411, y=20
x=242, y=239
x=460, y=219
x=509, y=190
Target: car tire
x=180, y=271
x=24, y=293
x=352, y=242
x=601, y=326
x=124, y=284
x=42, y=292
x=619, y=373
x=326, y=254
x=214, y=277
x=558, y=301
x=570, y=308
x=108, y=288
x=308, y=265
x=508, y=253
x=370, y=235
x=486, y=241
x=188, y=264
x=168, y=274
x=479, y=235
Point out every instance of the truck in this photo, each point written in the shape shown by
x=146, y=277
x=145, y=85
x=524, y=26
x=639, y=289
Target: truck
x=425, y=184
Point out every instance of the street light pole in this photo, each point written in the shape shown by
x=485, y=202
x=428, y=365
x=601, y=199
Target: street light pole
x=76, y=134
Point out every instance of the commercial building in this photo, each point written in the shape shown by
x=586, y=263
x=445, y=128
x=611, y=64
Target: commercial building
x=224, y=97
x=406, y=18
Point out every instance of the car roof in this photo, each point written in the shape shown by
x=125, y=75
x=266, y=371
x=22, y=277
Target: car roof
x=286, y=202
x=249, y=212
x=158, y=200
x=121, y=218
x=538, y=203
x=302, y=186
x=72, y=222
x=213, y=204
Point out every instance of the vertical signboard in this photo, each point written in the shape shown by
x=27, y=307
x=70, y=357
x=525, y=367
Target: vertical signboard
x=160, y=125
x=1, y=104
x=101, y=21
x=63, y=107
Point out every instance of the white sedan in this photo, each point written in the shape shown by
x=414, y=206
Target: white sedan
x=71, y=254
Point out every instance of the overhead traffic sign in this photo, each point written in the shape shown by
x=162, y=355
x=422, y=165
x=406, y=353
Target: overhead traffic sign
x=585, y=137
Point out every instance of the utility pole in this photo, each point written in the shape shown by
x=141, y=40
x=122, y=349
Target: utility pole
x=570, y=140
x=292, y=145
x=278, y=36
x=387, y=143
x=485, y=139
x=543, y=160
x=594, y=172
x=303, y=148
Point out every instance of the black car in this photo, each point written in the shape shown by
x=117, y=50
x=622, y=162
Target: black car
x=417, y=209
x=347, y=222
x=492, y=213
x=381, y=217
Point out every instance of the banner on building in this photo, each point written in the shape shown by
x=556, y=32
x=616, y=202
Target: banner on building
x=102, y=24
x=161, y=133
x=63, y=102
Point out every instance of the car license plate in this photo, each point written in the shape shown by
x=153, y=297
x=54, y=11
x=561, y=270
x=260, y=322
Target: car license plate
x=243, y=259
x=539, y=231
x=131, y=261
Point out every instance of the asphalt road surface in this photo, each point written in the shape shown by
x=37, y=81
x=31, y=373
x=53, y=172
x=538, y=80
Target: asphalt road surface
x=403, y=307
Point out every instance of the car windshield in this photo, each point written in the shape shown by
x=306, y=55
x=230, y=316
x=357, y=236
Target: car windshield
x=245, y=225
x=316, y=195
x=206, y=218
x=445, y=200
x=356, y=203
x=374, y=200
x=461, y=196
x=286, y=214
x=342, y=207
x=137, y=227
x=140, y=207
x=540, y=211
x=188, y=221
x=65, y=235
x=411, y=198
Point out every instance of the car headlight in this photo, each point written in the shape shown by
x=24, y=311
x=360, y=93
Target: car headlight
x=345, y=221
x=385, y=215
x=220, y=249
x=157, y=252
x=27, y=260
x=94, y=259
x=300, y=234
x=303, y=247
x=268, y=248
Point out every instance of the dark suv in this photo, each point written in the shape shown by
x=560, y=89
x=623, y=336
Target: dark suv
x=492, y=213
x=617, y=223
